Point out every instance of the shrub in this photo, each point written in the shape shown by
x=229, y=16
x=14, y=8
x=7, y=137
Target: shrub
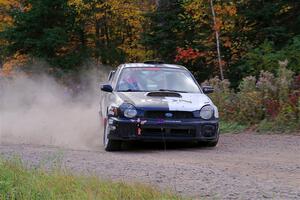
x=268, y=90
x=224, y=97
x=284, y=81
x=272, y=102
x=250, y=109
x=266, y=85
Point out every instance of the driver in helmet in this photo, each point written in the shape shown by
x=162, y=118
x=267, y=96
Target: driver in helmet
x=129, y=81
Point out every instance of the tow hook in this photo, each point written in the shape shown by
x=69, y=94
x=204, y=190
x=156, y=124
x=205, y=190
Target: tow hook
x=139, y=126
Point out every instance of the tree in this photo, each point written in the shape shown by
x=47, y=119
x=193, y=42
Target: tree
x=217, y=39
x=274, y=20
x=44, y=30
x=212, y=26
x=112, y=28
x=268, y=30
x=164, y=30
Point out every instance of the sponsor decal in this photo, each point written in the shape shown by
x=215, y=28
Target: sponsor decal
x=188, y=102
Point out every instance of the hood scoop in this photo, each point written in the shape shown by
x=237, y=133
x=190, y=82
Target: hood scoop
x=163, y=94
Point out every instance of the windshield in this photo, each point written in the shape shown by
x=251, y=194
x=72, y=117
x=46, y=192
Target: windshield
x=156, y=79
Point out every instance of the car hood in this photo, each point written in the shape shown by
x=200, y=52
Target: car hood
x=186, y=101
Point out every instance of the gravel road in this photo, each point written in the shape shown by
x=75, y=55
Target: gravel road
x=244, y=166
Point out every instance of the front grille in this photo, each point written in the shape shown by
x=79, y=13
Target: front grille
x=168, y=132
x=126, y=129
x=175, y=114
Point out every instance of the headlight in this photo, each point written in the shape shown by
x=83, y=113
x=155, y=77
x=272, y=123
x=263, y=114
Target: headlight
x=128, y=110
x=206, y=112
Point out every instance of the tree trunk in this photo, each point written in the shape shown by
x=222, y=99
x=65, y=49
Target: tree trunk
x=217, y=39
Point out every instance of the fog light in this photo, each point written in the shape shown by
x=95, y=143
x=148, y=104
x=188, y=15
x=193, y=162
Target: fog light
x=208, y=130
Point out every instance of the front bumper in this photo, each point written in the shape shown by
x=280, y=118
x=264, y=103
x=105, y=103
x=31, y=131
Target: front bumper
x=163, y=130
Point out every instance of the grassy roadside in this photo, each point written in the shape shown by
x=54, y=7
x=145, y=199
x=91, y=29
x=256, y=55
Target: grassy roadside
x=232, y=127
x=17, y=182
x=264, y=127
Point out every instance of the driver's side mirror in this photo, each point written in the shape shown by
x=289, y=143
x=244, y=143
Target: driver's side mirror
x=106, y=88
x=207, y=89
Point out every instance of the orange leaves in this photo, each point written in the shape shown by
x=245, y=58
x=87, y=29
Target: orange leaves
x=186, y=55
x=9, y=3
x=200, y=11
x=224, y=14
x=9, y=66
x=231, y=10
x=5, y=7
x=225, y=9
x=5, y=19
x=218, y=25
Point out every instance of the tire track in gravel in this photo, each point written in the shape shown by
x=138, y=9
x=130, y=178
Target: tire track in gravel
x=244, y=166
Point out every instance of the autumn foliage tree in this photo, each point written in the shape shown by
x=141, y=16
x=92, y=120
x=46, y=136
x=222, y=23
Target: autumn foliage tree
x=253, y=35
x=111, y=29
x=244, y=28
x=43, y=29
x=66, y=33
x=165, y=30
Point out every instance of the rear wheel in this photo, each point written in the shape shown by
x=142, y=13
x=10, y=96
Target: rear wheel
x=110, y=145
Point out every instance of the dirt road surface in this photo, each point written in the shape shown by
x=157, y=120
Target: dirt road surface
x=244, y=166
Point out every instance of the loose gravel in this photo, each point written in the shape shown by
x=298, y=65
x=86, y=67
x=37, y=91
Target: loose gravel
x=242, y=166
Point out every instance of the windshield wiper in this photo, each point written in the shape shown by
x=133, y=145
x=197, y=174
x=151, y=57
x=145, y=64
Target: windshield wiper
x=167, y=90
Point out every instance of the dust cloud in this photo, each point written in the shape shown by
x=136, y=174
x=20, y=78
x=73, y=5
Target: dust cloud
x=40, y=110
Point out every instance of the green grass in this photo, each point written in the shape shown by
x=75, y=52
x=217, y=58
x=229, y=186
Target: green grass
x=232, y=127
x=18, y=182
x=264, y=127
x=277, y=127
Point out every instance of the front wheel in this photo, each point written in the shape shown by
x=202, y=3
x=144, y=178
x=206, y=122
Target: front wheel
x=210, y=143
x=207, y=144
x=110, y=145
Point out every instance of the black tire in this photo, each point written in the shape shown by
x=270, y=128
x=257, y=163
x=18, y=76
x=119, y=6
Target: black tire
x=113, y=145
x=110, y=145
x=211, y=144
x=208, y=143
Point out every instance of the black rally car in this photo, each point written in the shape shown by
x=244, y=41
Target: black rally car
x=153, y=101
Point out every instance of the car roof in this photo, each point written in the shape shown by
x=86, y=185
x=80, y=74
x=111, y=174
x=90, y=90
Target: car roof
x=143, y=65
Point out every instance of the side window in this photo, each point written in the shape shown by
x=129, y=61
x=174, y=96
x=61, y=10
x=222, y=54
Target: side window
x=111, y=76
x=115, y=77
